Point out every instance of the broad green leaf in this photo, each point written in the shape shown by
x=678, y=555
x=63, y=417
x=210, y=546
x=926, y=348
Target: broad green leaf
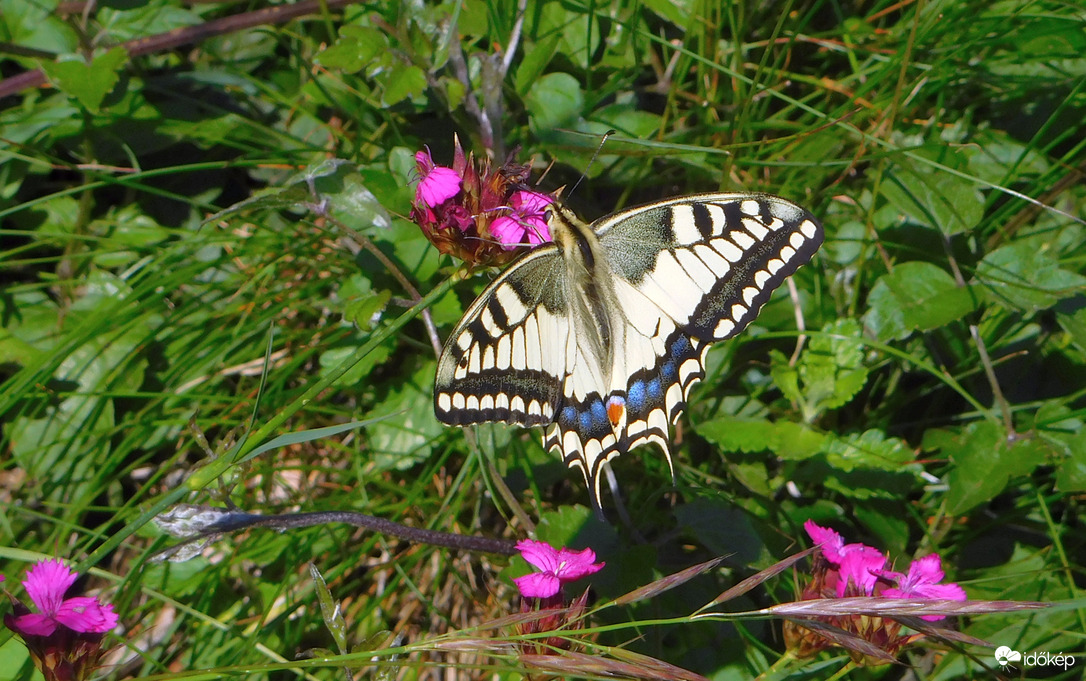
x=930, y=196
x=983, y=461
x=354, y=49
x=36, y=25
x=554, y=101
x=403, y=82
x=88, y=83
x=1073, y=321
x=676, y=11
x=724, y=530
x=1027, y=277
x=332, y=357
x=629, y=121
x=915, y=296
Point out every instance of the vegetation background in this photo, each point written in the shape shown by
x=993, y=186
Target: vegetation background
x=186, y=257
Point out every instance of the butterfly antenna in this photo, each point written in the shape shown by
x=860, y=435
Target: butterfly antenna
x=591, y=161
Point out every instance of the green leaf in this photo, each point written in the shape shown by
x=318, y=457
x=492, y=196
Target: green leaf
x=87, y=83
x=983, y=461
x=536, y=58
x=829, y=373
x=1073, y=321
x=363, y=303
x=355, y=48
x=915, y=296
x=554, y=101
x=402, y=442
x=1027, y=277
x=403, y=82
x=785, y=439
x=1071, y=473
x=721, y=528
x=870, y=449
x=332, y=357
x=930, y=196
x=330, y=612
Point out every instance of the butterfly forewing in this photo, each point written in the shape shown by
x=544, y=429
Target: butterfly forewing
x=506, y=358
x=665, y=280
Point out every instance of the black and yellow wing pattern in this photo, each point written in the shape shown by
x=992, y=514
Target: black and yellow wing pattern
x=600, y=335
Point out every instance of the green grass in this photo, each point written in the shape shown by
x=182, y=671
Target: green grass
x=937, y=406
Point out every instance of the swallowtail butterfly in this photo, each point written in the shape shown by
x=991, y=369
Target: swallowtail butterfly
x=600, y=335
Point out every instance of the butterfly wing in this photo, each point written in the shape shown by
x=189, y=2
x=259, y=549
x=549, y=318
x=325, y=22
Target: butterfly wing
x=684, y=273
x=506, y=359
x=603, y=339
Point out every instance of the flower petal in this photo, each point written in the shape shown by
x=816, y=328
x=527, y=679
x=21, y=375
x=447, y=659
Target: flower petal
x=530, y=203
x=573, y=565
x=508, y=231
x=32, y=624
x=86, y=614
x=438, y=186
x=46, y=584
x=538, y=585
x=537, y=231
x=830, y=541
x=859, y=568
x=539, y=554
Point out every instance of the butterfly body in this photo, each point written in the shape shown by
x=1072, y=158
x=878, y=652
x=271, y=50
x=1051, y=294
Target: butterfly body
x=601, y=334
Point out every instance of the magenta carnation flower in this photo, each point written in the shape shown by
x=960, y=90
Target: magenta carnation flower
x=438, y=184
x=557, y=566
x=46, y=583
x=527, y=224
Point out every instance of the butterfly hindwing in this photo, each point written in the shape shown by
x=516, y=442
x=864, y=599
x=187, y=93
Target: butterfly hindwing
x=603, y=334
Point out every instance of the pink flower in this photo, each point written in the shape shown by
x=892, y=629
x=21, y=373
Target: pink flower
x=438, y=183
x=557, y=567
x=65, y=638
x=858, y=565
x=46, y=583
x=527, y=224
x=922, y=581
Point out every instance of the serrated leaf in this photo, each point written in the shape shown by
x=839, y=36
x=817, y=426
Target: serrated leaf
x=362, y=311
x=785, y=439
x=1071, y=472
x=829, y=373
x=87, y=83
x=915, y=296
x=984, y=460
x=870, y=449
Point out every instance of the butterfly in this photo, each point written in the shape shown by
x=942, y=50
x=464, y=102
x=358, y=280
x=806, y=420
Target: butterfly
x=600, y=335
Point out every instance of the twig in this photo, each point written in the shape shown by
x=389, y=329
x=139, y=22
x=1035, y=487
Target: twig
x=997, y=393
x=169, y=40
x=364, y=242
x=232, y=521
